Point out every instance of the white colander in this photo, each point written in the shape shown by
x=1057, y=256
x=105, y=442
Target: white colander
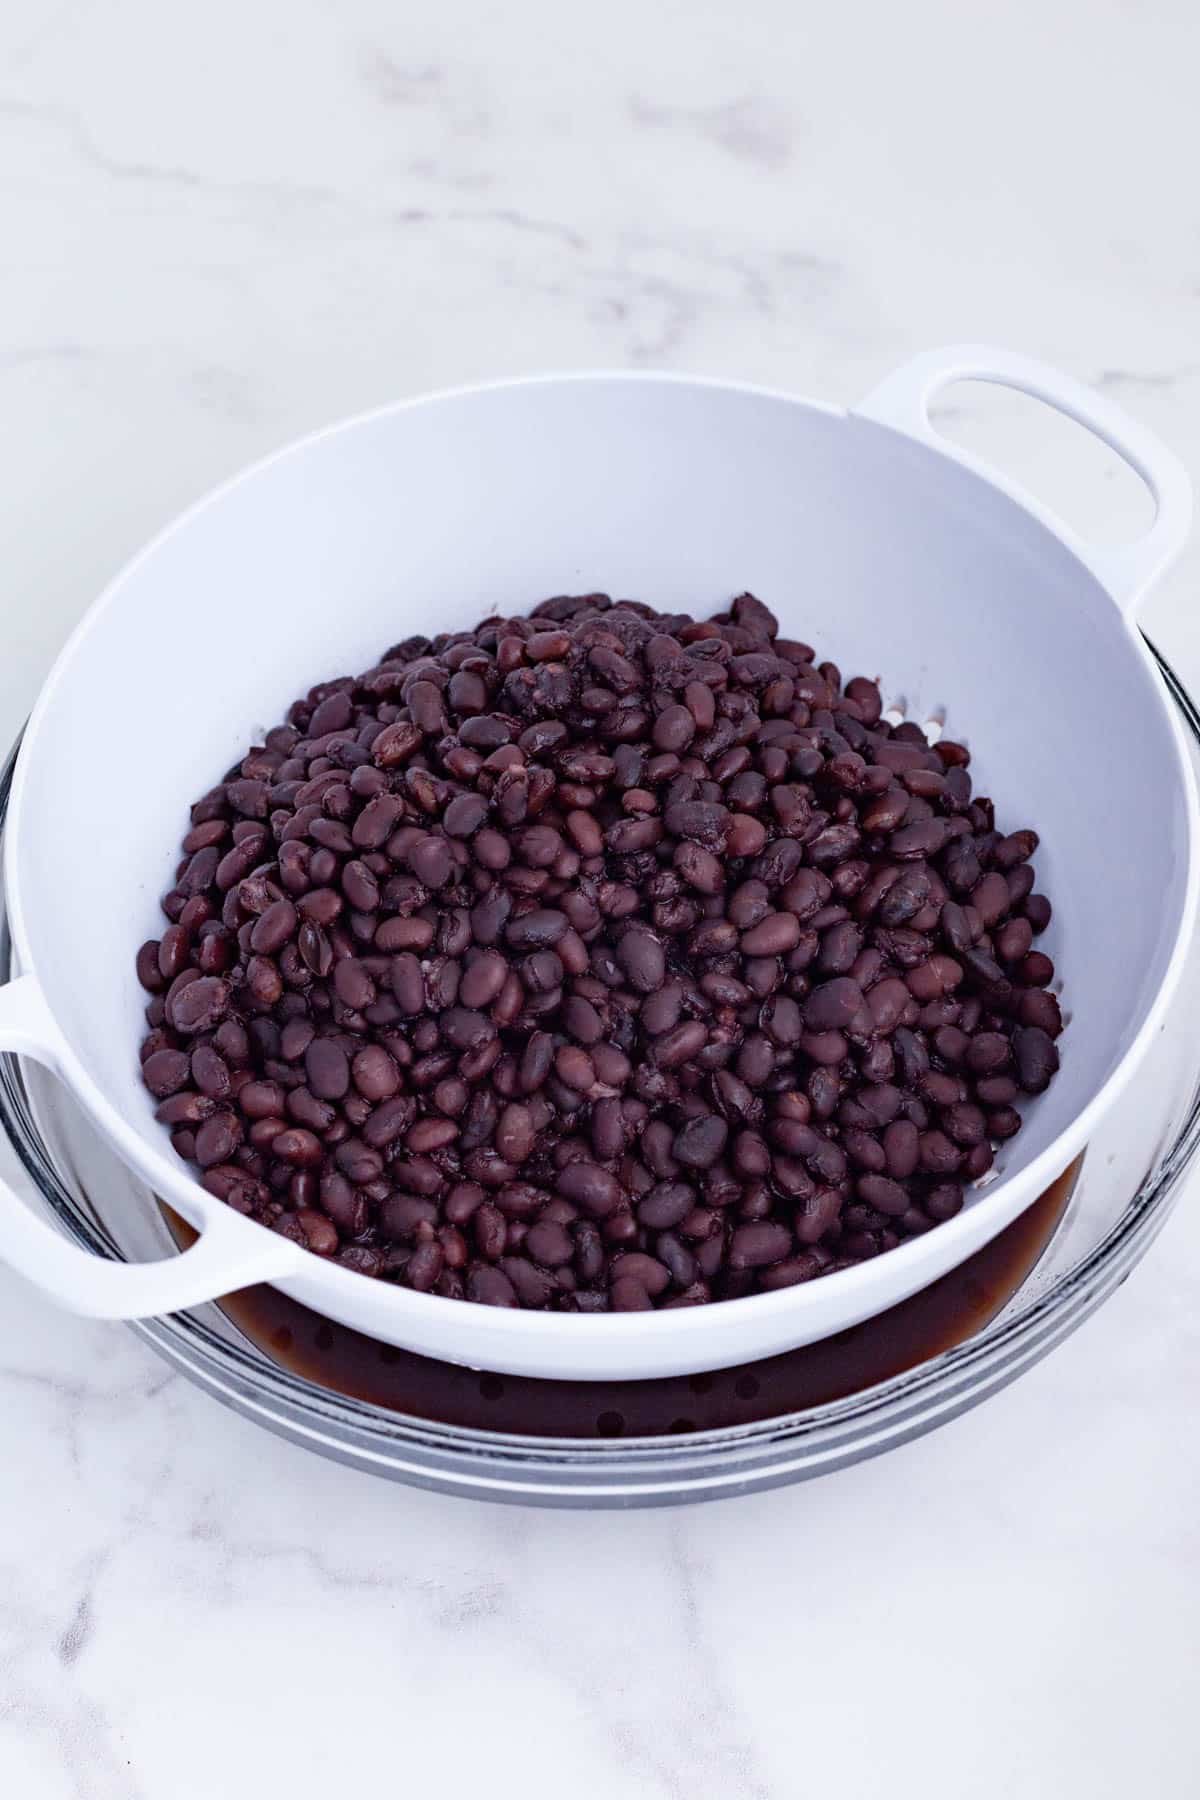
x=893, y=553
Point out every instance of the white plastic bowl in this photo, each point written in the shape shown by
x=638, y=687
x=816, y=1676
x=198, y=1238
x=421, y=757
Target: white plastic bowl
x=869, y=537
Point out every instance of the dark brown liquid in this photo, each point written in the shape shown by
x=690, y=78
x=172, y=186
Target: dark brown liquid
x=930, y=1322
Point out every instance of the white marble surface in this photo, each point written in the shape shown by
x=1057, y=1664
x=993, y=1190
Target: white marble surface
x=222, y=225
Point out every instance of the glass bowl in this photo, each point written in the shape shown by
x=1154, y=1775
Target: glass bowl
x=649, y=1443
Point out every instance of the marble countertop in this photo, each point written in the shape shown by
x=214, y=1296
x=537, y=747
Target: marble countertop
x=222, y=226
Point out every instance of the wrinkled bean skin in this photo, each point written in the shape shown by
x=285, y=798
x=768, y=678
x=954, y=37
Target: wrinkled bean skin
x=599, y=960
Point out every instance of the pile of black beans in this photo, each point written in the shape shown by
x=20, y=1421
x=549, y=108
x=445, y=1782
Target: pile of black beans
x=598, y=959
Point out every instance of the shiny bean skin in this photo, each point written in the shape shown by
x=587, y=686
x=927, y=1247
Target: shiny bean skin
x=755, y=1246
x=901, y=1148
x=666, y=1205
x=374, y=1074
x=328, y=1069
x=635, y=1265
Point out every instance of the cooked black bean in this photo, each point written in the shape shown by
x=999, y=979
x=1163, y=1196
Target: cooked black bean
x=628, y=1295
x=537, y=930
x=515, y=1133
x=1036, y=1007
x=833, y=1004
x=1037, y=910
x=210, y=1072
x=198, y=1006
x=754, y=1246
x=901, y=1148
x=261, y=1099
x=328, y=1069
x=591, y=1187
x=482, y=979
x=943, y=1201
x=295, y=1038
x=360, y=887
x=274, y=927
x=185, y=1108
x=817, y=1214
x=700, y=1141
x=640, y=955
x=217, y=1139
x=679, y=1261
x=297, y=1146
x=598, y=961
x=166, y=1072
x=938, y=1156
x=375, y=1074
x=977, y=1161
x=316, y=952
x=1036, y=1057
x=865, y=1149
x=1035, y=970
x=884, y=1194
x=887, y=1002
x=490, y=1287
x=666, y=1205
x=608, y=1128
x=408, y=983
x=635, y=1265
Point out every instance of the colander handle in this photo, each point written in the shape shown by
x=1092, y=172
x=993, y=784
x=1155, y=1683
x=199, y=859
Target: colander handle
x=230, y=1253
x=902, y=400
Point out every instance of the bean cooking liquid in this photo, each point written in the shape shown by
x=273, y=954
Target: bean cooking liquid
x=935, y=1320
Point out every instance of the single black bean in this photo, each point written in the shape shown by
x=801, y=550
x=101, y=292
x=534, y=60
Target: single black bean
x=375, y=1074
x=833, y=1004
x=297, y=1146
x=640, y=956
x=817, y=1214
x=608, y=1129
x=901, y=1148
x=166, y=1072
x=490, y=1287
x=327, y=1068
x=757, y=1245
x=210, y=1072
x=589, y=1186
x=943, y=1201
x=482, y=979
x=1041, y=1010
x=666, y=1205
x=700, y=1142
x=536, y=930
x=885, y=1194
x=628, y=1295
x=938, y=1156
x=200, y=1006
x=1036, y=1057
